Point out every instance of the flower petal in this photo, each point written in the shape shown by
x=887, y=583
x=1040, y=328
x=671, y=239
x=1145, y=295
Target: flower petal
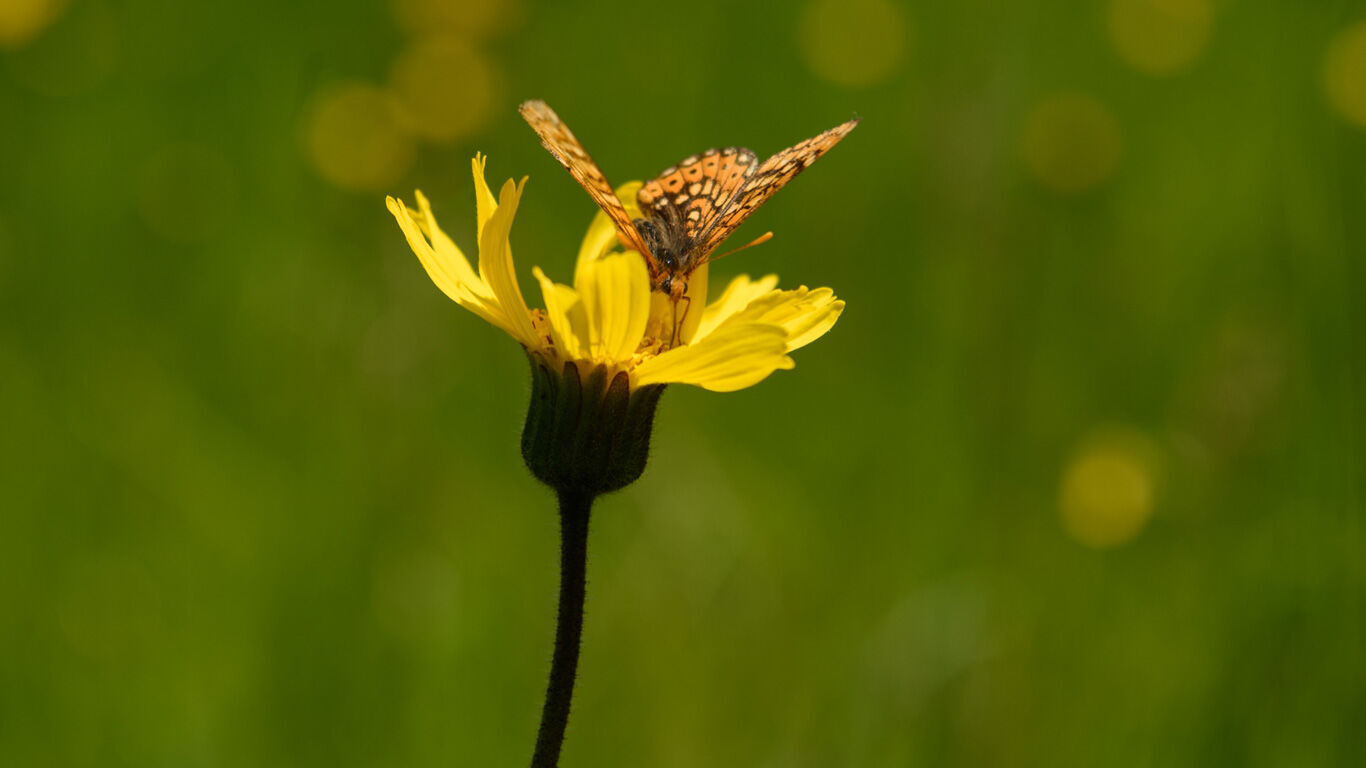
x=696, y=298
x=616, y=294
x=484, y=202
x=675, y=323
x=568, y=319
x=626, y=193
x=495, y=264
x=446, y=265
x=736, y=297
x=447, y=251
x=805, y=314
x=734, y=356
x=602, y=232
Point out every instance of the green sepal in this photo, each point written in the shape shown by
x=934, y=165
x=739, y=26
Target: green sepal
x=586, y=433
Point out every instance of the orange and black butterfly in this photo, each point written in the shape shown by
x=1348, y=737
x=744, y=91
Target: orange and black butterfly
x=690, y=208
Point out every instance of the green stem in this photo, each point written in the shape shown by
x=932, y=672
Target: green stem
x=574, y=509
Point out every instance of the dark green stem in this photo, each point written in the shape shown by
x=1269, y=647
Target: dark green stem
x=574, y=509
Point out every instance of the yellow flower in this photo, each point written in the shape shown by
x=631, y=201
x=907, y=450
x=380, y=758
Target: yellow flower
x=602, y=352
x=610, y=318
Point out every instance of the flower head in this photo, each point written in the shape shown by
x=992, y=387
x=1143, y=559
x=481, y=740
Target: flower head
x=609, y=317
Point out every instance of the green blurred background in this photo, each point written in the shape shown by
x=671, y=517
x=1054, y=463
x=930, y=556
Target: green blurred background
x=1077, y=479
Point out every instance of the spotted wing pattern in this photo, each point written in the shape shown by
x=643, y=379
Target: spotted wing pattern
x=698, y=188
x=770, y=177
x=563, y=146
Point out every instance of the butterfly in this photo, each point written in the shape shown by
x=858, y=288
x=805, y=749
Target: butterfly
x=691, y=207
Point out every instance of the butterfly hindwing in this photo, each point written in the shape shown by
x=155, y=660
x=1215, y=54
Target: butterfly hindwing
x=564, y=147
x=698, y=188
x=759, y=186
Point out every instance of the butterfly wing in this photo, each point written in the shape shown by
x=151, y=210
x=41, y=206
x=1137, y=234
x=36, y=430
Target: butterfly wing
x=770, y=177
x=696, y=190
x=564, y=147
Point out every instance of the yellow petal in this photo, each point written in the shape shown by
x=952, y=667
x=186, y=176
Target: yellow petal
x=685, y=315
x=495, y=264
x=447, y=251
x=440, y=273
x=736, y=297
x=485, y=205
x=626, y=193
x=734, y=356
x=696, y=298
x=602, y=232
x=448, y=268
x=568, y=320
x=805, y=314
x=616, y=294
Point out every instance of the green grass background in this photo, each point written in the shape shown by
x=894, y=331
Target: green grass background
x=261, y=502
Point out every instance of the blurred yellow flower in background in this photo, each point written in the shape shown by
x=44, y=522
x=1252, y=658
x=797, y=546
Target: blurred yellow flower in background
x=1107, y=492
x=354, y=137
x=432, y=104
x=1160, y=37
x=609, y=317
x=853, y=43
x=1071, y=143
x=23, y=20
x=1344, y=74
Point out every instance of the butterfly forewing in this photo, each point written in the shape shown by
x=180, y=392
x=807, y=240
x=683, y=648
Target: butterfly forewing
x=759, y=186
x=560, y=141
x=698, y=188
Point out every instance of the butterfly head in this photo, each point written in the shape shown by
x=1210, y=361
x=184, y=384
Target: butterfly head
x=675, y=285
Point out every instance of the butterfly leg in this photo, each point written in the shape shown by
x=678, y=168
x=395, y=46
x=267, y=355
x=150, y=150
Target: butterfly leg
x=678, y=320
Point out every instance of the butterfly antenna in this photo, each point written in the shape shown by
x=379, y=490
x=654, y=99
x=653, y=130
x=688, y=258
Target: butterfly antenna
x=760, y=240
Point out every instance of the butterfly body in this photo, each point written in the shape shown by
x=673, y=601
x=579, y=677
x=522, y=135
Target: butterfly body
x=690, y=208
x=672, y=251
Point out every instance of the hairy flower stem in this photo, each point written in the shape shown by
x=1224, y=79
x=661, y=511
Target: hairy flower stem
x=574, y=510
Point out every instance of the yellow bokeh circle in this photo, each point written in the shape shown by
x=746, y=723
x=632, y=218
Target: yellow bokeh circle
x=22, y=20
x=1344, y=74
x=73, y=56
x=445, y=89
x=472, y=19
x=1107, y=491
x=1071, y=142
x=854, y=43
x=1160, y=37
x=353, y=138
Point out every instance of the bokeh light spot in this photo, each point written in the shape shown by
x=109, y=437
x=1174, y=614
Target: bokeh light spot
x=22, y=20
x=353, y=138
x=1071, y=143
x=474, y=19
x=187, y=193
x=1107, y=489
x=854, y=43
x=1344, y=74
x=1160, y=37
x=446, y=89
x=75, y=55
